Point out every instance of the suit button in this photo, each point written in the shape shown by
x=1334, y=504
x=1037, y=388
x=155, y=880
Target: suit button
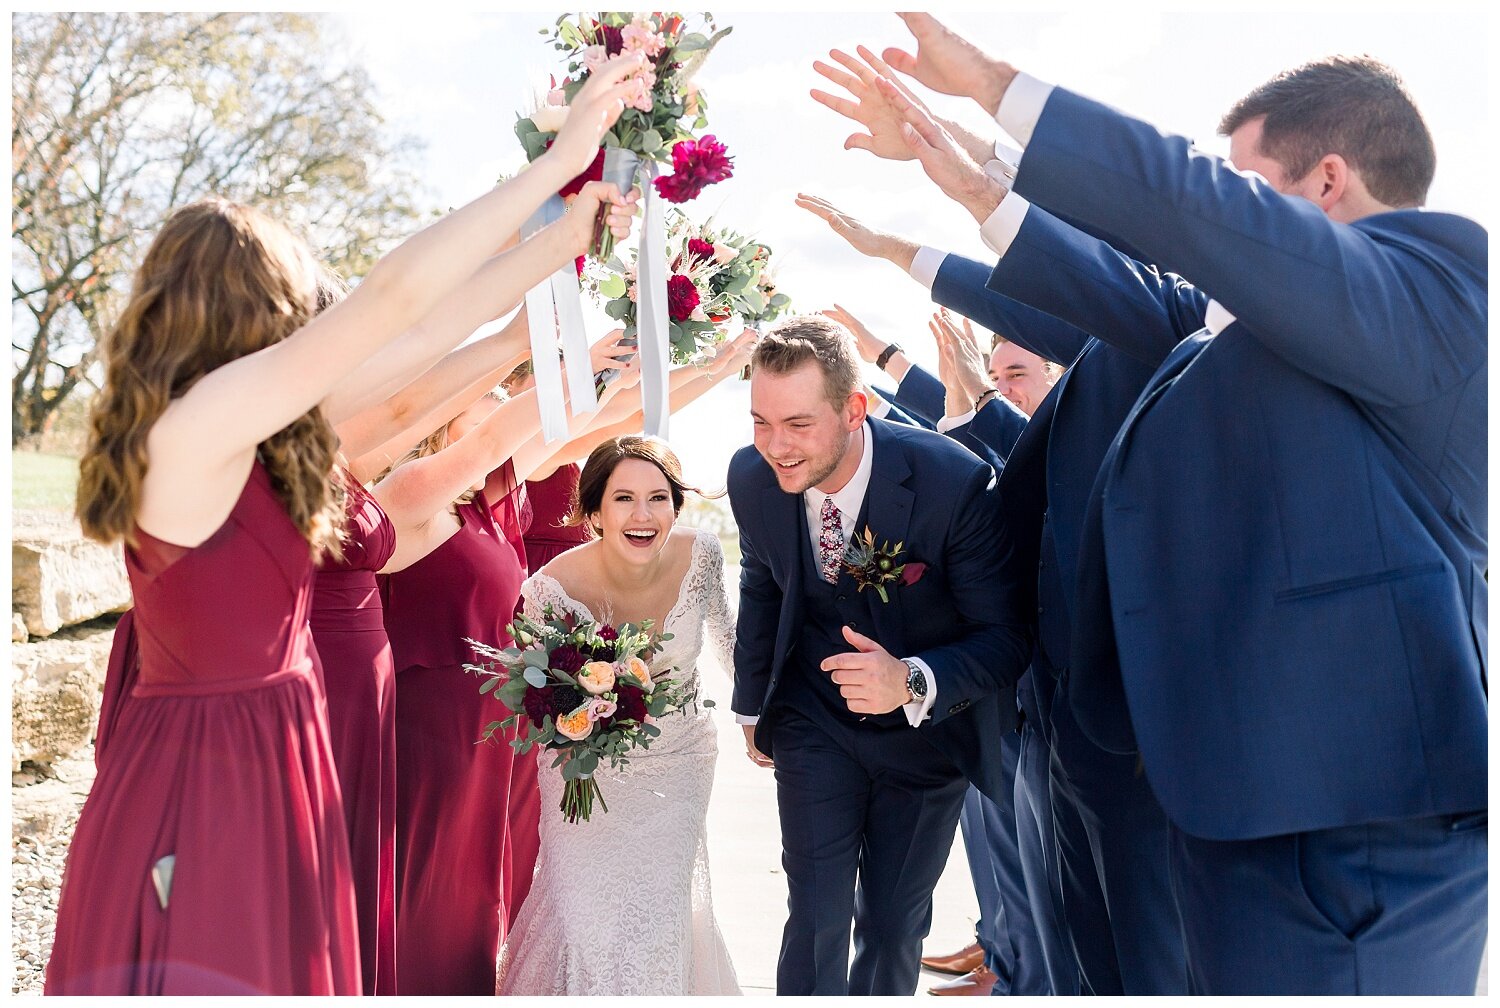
x=958, y=707
x=843, y=598
x=1039, y=610
x=853, y=625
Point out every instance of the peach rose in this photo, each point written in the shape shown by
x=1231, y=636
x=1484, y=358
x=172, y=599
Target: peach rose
x=638, y=670
x=597, y=677
x=576, y=725
x=550, y=118
x=725, y=254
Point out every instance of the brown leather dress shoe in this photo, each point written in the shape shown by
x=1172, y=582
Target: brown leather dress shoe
x=958, y=963
x=977, y=982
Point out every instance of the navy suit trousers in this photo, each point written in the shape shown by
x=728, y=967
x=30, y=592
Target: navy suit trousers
x=1006, y=930
x=1395, y=907
x=868, y=816
x=1036, y=840
x=1113, y=844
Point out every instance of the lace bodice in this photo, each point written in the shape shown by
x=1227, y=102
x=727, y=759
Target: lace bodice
x=700, y=616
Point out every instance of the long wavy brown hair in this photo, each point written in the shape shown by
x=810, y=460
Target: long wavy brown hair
x=221, y=280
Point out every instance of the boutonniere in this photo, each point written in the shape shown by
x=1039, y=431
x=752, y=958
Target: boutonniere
x=879, y=567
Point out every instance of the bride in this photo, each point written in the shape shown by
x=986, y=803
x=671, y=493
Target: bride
x=621, y=902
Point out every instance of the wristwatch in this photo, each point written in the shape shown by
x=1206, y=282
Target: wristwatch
x=916, y=681
x=890, y=350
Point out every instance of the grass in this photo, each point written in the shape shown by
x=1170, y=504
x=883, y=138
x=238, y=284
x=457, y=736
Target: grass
x=41, y=482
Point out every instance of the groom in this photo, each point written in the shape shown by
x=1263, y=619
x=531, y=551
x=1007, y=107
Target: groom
x=872, y=710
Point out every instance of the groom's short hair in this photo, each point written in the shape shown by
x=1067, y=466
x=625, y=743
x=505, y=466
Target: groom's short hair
x=793, y=343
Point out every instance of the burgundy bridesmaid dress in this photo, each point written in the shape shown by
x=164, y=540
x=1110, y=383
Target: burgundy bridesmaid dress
x=219, y=758
x=545, y=537
x=359, y=678
x=451, y=788
x=551, y=499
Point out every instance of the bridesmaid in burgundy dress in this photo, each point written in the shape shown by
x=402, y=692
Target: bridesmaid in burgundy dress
x=211, y=856
x=360, y=680
x=456, y=574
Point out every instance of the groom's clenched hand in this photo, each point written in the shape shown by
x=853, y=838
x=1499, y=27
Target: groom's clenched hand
x=871, y=680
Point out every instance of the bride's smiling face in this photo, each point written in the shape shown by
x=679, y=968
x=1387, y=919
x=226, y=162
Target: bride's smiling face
x=636, y=515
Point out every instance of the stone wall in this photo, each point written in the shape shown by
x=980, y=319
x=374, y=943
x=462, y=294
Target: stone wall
x=65, y=593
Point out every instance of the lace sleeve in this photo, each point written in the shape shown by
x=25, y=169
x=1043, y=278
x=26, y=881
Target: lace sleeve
x=541, y=590
x=719, y=618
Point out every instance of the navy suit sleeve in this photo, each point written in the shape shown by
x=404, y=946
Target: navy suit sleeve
x=985, y=586
x=760, y=610
x=1058, y=269
x=1386, y=318
x=898, y=415
x=998, y=424
x=922, y=394
x=961, y=286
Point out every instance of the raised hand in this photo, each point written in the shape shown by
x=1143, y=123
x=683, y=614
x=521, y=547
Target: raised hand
x=868, y=106
x=860, y=236
x=593, y=111
x=869, y=346
x=949, y=63
x=969, y=366
x=608, y=354
x=583, y=210
x=956, y=399
x=733, y=354
x=946, y=163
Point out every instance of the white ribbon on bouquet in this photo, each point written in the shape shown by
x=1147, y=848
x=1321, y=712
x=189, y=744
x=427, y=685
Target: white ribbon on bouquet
x=555, y=319
x=624, y=168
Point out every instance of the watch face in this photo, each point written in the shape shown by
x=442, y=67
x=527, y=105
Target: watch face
x=916, y=682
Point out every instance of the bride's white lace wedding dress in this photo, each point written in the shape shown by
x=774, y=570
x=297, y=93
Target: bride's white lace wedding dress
x=621, y=903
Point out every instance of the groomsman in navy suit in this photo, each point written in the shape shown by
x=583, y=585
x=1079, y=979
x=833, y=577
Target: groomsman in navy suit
x=1288, y=620
x=1096, y=861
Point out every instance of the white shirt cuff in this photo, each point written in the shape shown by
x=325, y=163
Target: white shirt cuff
x=925, y=265
x=949, y=423
x=918, y=710
x=880, y=410
x=1001, y=227
x=1022, y=106
x=746, y=718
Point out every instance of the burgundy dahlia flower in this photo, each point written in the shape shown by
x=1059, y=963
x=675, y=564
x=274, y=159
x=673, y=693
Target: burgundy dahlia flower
x=567, y=658
x=696, y=164
x=631, y=703
x=682, y=298
x=699, y=250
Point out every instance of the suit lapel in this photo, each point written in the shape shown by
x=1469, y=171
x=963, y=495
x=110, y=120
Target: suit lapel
x=887, y=513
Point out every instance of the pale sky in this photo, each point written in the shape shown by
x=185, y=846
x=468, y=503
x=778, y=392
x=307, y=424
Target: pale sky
x=458, y=79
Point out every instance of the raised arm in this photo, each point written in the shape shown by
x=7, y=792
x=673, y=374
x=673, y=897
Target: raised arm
x=232, y=409
x=1356, y=305
x=374, y=439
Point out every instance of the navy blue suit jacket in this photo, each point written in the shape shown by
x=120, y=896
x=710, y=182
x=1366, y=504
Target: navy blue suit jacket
x=991, y=434
x=962, y=617
x=1052, y=468
x=1292, y=517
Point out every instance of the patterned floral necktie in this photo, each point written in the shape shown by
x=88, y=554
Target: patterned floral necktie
x=831, y=541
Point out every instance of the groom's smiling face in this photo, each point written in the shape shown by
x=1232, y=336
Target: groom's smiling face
x=798, y=431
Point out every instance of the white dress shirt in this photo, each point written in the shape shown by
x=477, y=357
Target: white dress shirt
x=849, y=499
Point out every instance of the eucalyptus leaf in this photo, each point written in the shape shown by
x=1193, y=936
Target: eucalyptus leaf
x=651, y=141
x=612, y=286
x=620, y=307
x=535, y=677
x=535, y=658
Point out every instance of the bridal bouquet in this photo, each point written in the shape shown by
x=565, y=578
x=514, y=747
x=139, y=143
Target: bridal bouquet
x=584, y=690
x=715, y=274
x=661, y=113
